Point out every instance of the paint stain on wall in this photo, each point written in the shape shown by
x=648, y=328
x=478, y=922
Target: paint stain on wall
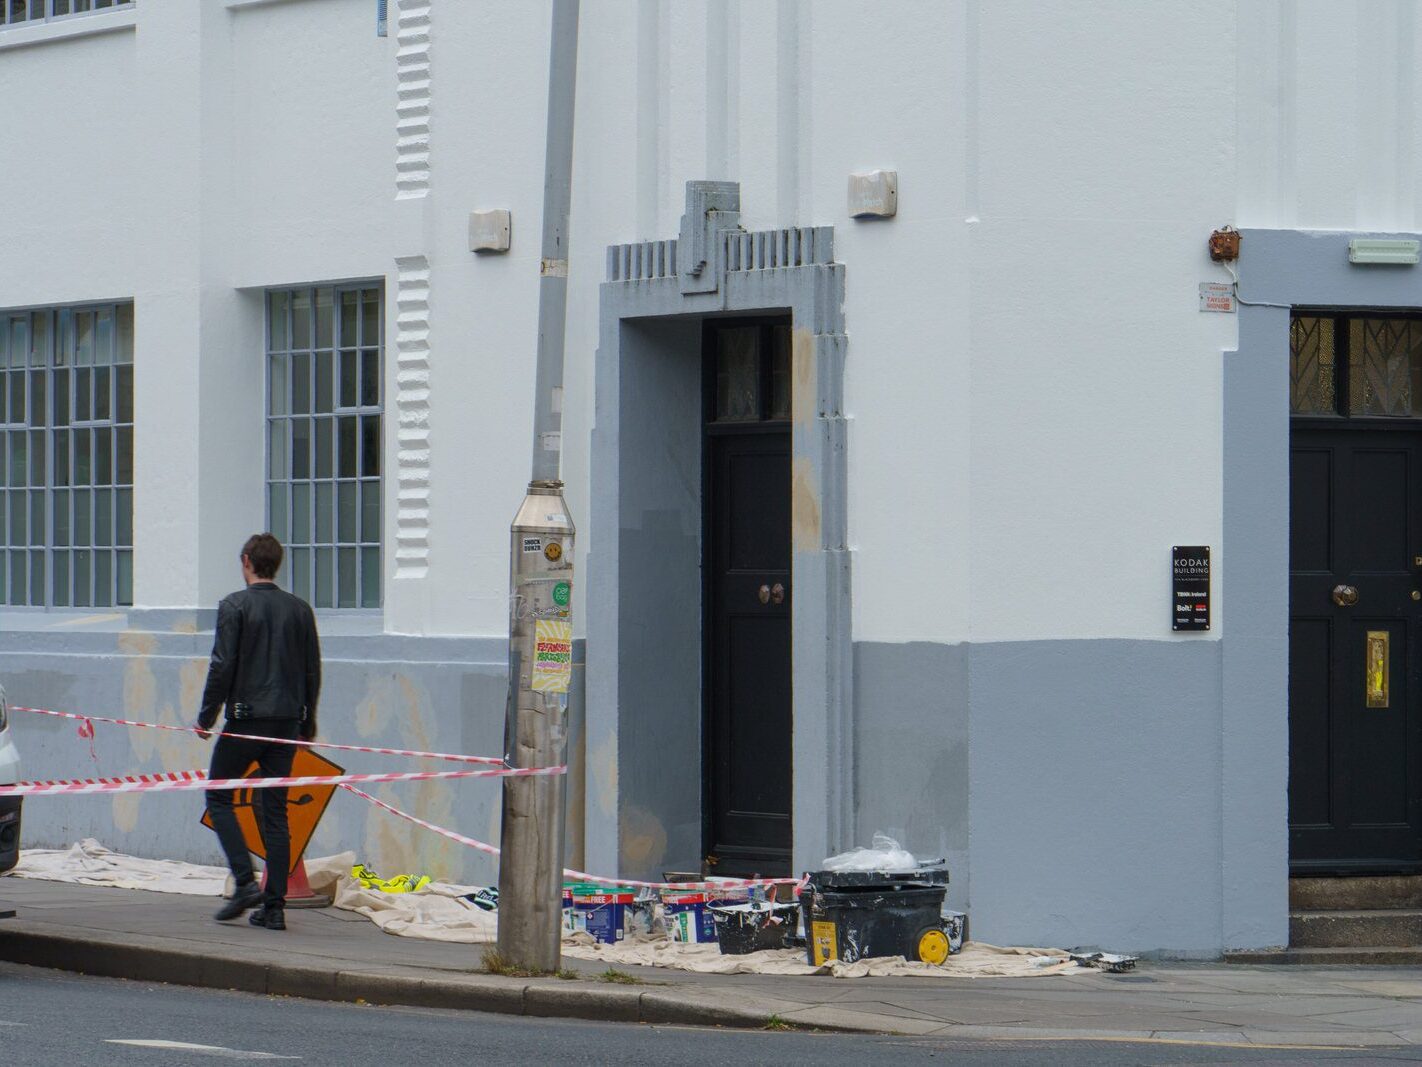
x=804, y=386
x=602, y=771
x=126, y=811
x=804, y=507
x=644, y=840
x=376, y=709
x=140, y=690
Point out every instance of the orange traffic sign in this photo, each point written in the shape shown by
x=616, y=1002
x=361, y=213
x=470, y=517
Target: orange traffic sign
x=305, y=804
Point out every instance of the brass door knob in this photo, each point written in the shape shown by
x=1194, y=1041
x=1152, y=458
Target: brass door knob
x=1345, y=596
x=764, y=594
x=777, y=593
x=1417, y=594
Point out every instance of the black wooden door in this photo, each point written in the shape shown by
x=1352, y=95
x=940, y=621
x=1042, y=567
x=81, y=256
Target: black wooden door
x=747, y=744
x=1355, y=778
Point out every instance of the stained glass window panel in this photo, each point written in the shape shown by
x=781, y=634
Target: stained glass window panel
x=1311, y=362
x=1385, y=367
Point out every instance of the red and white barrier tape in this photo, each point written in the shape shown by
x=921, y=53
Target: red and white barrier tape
x=494, y=761
x=581, y=876
x=192, y=780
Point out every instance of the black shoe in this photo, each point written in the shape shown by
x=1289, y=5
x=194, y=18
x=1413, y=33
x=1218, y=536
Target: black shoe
x=271, y=918
x=246, y=896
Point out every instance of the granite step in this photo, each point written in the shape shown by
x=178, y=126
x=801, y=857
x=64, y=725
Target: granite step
x=1356, y=893
x=1387, y=955
x=1371, y=928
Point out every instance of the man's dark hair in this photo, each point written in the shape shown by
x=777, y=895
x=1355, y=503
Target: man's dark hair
x=265, y=552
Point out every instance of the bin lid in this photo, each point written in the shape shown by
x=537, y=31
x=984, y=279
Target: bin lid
x=919, y=876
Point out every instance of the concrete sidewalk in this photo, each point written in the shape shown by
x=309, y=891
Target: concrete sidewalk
x=336, y=955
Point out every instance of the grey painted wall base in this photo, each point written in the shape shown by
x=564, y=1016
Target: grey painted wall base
x=441, y=694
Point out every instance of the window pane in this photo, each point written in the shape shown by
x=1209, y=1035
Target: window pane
x=370, y=446
x=83, y=463
x=19, y=340
x=325, y=319
x=301, y=513
x=124, y=376
x=324, y=428
x=39, y=339
x=60, y=591
x=124, y=591
x=37, y=520
x=301, y=319
x=346, y=514
x=278, y=334
x=1384, y=367
x=280, y=383
x=84, y=338
x=370, y=512
x=325, y=509
x=301, y=384
x=325, y=381
x=124, y=331
x=301, y=448
x=350, y=378
x=19, y=517
x=370, y=317
x=370, y=378
x=347, y=446
x=103, y=456
x=37, y=579
x=348, y=594
x=780, y=372
x=17, y=398
x=82, y=595
x=102, y=410
x=277, y=511
x=123, y=454
x=61, y=518
x=370, y=577
x=738, y=373
x=104, y=336
x=350, y=320
x=39, y=410
x=325, y=562
x=103, y=517
x=103, y=579
x=83, y=500
x=123, y=533
x=37, y=458
x=19, y=578
x=61, y=398
x=278, y=462
x=301, y=573
x=83, y=394
x=61, y=457
x=19, y=457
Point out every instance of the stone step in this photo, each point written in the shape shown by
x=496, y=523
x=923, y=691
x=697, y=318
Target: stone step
x=1355, y=894
x=1391, y=955
x=1355, y=929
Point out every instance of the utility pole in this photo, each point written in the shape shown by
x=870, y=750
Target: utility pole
x=541, y=578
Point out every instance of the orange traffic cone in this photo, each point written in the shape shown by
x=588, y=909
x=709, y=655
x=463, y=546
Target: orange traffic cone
x=299, y=893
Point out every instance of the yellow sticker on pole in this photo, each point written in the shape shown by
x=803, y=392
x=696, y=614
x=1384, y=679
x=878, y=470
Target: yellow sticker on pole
x=552, y=655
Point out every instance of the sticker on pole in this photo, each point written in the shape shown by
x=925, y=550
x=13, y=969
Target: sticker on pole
x=552, y=655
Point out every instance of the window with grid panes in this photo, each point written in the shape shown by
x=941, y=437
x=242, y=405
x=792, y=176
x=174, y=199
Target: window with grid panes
x=325, y=359
x=66, y=456
x=29, y=12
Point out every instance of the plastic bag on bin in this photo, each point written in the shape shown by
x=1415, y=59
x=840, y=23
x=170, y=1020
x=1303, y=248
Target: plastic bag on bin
x=885, y=854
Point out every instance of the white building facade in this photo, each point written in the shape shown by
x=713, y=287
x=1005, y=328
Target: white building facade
x=875, y=514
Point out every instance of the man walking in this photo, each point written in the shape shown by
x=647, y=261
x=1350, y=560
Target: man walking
x=266, y=672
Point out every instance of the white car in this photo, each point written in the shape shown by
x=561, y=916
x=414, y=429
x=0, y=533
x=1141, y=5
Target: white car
x=9, y=806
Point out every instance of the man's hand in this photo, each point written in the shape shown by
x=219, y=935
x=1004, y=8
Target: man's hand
x=203, y=732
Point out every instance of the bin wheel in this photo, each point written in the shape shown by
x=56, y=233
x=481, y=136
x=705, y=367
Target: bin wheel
x=932, y=946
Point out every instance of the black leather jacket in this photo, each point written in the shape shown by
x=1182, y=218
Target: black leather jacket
x=266, y=657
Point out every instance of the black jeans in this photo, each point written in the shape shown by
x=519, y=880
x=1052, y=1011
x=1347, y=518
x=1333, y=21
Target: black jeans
x=230, y=759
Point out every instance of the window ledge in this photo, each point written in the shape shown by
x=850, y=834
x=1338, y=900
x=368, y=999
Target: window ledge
x=89, y=24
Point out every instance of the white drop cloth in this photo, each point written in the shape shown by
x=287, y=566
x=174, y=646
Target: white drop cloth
x=438, y=913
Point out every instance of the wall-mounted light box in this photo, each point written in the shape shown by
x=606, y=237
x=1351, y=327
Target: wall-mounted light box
x=1375, y=250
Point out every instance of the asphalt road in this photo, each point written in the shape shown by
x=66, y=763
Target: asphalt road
x=51, y=1018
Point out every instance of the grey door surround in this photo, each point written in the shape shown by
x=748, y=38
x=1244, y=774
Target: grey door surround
x=1279, y=270
x=644, y=581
